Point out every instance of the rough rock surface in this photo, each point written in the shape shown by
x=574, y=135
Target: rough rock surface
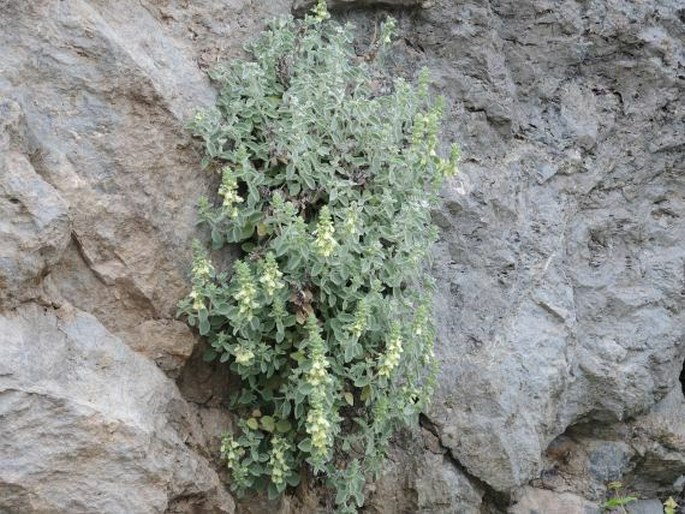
x=98, y=184
x=560, y=271
x=169, y=343
x=561, y=265
x=530, y=500
x=560, y=268
x=34, y=219
x=90, y=426
x=420, y=477
x=106, y=90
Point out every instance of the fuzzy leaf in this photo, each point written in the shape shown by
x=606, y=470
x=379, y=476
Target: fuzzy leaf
x=283, y=426
x=268, y=423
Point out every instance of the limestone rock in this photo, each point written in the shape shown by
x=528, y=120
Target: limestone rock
x=421, y=477
x=90, y=426
x=539, y=501
x=106, y=91
x=34, y=219
x=653, y=506
x=560, y=265
x=660, y=446
x=169, y=343
x=647, y=455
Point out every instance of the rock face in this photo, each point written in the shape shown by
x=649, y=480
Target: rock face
x=561, y=265
x=98, y=184
x=560, y=269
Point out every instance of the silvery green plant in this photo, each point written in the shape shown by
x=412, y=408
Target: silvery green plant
x=328, y=169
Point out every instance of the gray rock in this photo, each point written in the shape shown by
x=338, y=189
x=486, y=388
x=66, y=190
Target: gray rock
x=90, y=426
x=659, y=441
x=169, y=343
x=539, y=501
x=105, y=94
x=106, y=91
x=422, y=478
x=34, y=219
x=653, y=506
x=560, y=265
x=646, y=455
x=608, y=461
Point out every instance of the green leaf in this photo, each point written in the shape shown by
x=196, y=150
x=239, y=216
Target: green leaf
x=253, y=423
x=366, y=393
x=293, y=479
x=349, y=398
x=222, y=308
x=204, y=327
x=217, y=238
x=268, y=423
x=272, y=491
x=283, y=426
x=305, y=445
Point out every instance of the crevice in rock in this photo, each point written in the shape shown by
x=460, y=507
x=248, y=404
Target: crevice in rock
x=493, y=501
x=206, y=384
x=682, y=378
x=82, y=253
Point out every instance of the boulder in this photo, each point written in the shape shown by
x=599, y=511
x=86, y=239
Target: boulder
x=106, y=92
x=88, y=425
x=538, y=501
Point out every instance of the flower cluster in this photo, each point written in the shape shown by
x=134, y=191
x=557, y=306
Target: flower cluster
x=317, y=374
x=361, y=316
x=198, y=300
x=422, y=330
x=278, y=308
x=277, y=460
x=320, y=11
x=243, y=355
x=229, y=191
x=387, y=31
x=202, y=273
x=421, y=321
x=325, y=243
x=351, y=221
x=391, y=358
x=271, y=275
x=317, y=424
x=318, y=427
x=233, y=452
x=246, y=295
